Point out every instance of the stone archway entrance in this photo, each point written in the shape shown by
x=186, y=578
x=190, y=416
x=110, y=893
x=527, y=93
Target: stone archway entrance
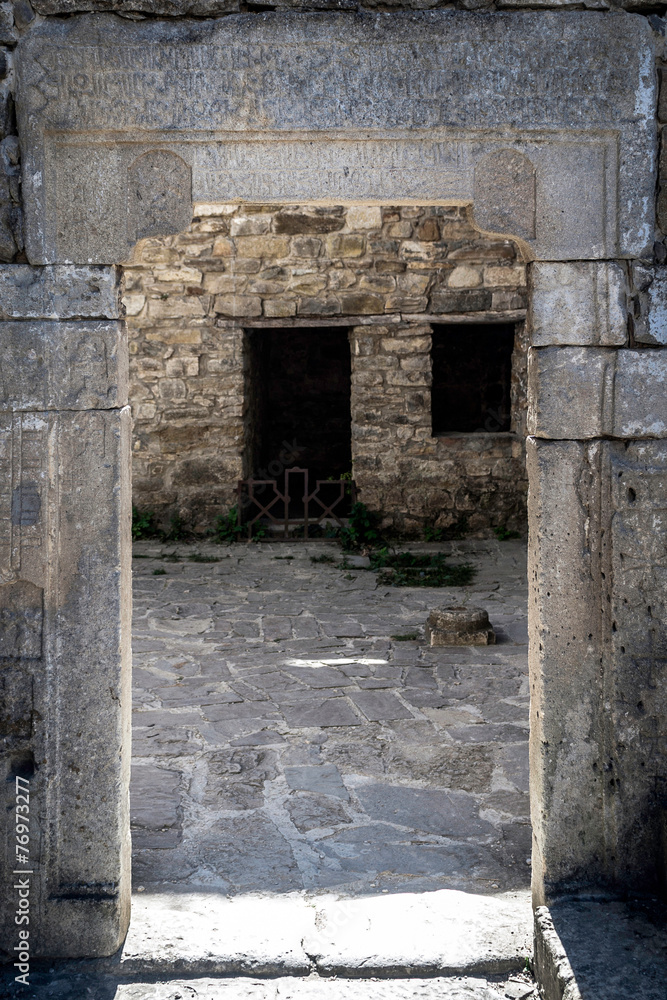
x=551, y=148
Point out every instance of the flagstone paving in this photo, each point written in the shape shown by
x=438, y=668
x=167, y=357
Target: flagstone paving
x=286, y=740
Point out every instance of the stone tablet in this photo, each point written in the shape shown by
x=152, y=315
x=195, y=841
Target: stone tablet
x=542, y=121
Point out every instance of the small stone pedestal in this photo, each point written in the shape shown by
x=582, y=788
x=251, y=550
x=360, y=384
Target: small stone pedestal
x=459, y=626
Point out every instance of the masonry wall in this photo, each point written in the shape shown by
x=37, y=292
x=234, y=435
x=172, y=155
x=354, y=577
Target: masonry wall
x=381, y=272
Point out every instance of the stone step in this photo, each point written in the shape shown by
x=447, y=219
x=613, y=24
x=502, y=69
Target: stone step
x=441, y=933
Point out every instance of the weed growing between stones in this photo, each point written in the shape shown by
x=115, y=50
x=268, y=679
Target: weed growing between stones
x=143, y=524
x=196, y=557
x=361, y=530
x=406, y=569
x=503, y=533
x=324, y=558
x=456, y=531
x=227, y=529
x=159, y=572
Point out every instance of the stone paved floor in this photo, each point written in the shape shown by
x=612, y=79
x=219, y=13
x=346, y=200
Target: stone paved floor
x=283, y=740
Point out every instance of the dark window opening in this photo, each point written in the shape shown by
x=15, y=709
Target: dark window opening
x=298, y=393
x=472, y=372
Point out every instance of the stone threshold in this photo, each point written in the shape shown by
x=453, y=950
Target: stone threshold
x=601, y=949
x=497, y=316
x=442, y=933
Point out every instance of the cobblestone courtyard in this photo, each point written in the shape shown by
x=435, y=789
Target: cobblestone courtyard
x=286, y=738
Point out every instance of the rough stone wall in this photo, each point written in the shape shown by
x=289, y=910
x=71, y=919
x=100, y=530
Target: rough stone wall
x=413, y=477
x=379, y=270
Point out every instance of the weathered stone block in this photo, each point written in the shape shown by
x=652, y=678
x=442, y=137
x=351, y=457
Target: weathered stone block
x=560, y=190
x=63, y=366
x=651, y=328
x=598, y=654
x=582, y=303
x=578, y=393
x=66, y=553
x=445, y=301
x=61, y=292
x=459, y=626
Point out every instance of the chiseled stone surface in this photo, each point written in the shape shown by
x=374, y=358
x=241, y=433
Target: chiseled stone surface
x=58, y=293
x=65, y=604
x=595, y=565
x=582, y=303
x=532, y=72
x=63, y=366
x=64, y=549
x=314, y=752
x=579, y=393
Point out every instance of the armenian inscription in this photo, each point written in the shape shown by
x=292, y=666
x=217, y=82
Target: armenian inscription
x=433, y=106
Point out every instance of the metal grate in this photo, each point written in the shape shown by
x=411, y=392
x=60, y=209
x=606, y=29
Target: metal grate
x=296, y=506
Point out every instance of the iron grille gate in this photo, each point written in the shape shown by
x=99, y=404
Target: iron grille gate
x=331, y=498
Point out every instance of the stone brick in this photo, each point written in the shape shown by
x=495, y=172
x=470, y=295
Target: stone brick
x=443, y=301
x=511, y=276
x=361, y=304
x=238, y=305
x=306, y=246
x=262, y=246
x=583, y=393
x=578, y=303
x=175, y=307
x=654, y=329
x=324, y=306
x=281, y=307
x=343, y=245
x=464, y=277
x=62, y=366
x=60, y=292
x=250, y=225
x=308, y=221
x=225, y=284
x=361, y=217
x=133, y=304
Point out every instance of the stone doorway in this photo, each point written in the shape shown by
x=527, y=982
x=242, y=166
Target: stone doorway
x=298, y=392
x=567, y=167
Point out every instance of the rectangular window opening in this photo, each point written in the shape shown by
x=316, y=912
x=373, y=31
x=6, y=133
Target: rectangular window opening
x=472, y=375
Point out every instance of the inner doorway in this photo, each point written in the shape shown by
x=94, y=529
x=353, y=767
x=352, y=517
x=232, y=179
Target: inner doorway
x=298, y=393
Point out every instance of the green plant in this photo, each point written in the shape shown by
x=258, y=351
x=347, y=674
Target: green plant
x=159, y=572
x=324, y=558
x=226, y=527
x=143, y=524
x=502, y=533
x=196, y=557
x=407, y=569
x=284, y=557
x=362, y=529
x=176, y=531
x=459, y=529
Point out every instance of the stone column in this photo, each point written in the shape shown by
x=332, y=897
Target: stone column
x=65, y=603
x=597, y=461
